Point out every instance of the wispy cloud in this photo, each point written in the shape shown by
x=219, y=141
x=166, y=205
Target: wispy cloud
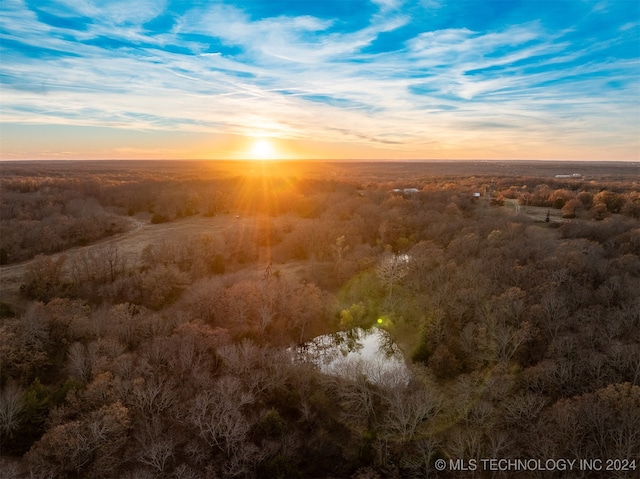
x=394, y=77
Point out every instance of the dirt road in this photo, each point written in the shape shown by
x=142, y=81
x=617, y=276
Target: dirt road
x=130, y=243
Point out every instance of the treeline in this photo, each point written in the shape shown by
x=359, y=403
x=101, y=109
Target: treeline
x=43, y=215
x=48, y=220
x=48, y=214
x=578, y=198
x=522, y=341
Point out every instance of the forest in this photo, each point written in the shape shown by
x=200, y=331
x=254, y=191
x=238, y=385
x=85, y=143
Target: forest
x=154, y=319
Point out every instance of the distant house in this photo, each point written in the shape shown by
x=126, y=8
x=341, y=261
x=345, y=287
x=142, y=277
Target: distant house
x=476, y=195
x=405, y=191
x=574, y=175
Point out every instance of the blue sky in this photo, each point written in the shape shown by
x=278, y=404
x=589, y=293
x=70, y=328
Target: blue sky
x=320, y=79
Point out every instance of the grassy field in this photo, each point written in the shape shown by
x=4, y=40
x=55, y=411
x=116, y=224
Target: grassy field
x=143, y=233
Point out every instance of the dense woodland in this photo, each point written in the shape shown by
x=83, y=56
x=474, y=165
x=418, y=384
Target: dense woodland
x=522, y=333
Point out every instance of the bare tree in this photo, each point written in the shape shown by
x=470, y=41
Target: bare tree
x=407, y=409
x=523, y=408
x=417, y=457
x=467, y=443
x=390, y=270
x=155, y=446
x=357, y=398
x=153, y=395
x=497, y=443
x=217, y=414
x=11, y=407
x=88, y=447
x=82, y=359
x=25, y=343
x=113, y=263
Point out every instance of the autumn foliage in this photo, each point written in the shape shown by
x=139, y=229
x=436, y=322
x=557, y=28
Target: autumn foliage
x=178, y=359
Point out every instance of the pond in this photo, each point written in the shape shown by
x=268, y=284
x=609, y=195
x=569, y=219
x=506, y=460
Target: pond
x=350, y=354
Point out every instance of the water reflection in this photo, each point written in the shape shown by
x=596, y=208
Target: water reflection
x=357, y=352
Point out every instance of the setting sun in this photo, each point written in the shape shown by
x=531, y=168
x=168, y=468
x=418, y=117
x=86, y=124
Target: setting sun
x=333, y=239
x=262, y=150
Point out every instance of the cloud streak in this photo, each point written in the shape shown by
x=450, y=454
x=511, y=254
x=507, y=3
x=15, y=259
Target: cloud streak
x=395, y=77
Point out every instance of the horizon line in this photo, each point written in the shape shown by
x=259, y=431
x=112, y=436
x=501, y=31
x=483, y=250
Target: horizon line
x=323, y=160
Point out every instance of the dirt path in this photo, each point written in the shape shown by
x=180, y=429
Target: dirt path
x=129, y=243
x=142, y=233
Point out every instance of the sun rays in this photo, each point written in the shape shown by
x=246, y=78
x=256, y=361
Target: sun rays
x=265, y=191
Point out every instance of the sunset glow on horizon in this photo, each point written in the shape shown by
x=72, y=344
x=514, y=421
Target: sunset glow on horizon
x=335, y=79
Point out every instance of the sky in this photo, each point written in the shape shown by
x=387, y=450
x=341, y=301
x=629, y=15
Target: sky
x=320, y=79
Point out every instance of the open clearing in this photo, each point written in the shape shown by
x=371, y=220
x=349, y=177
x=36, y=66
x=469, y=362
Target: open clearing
x=133, y=242
x=224, y=226
x=229, y=226
x=536, y=213
x=142, y=233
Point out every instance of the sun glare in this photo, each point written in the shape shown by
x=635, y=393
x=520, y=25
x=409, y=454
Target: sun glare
x=262, y=150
